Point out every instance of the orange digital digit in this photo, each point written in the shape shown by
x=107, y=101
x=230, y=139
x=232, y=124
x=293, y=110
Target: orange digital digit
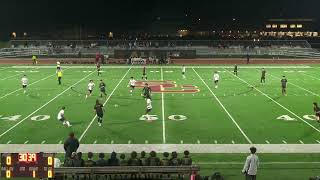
x=23, y=157
x=32, y=157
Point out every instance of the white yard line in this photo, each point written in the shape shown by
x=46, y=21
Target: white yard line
x=10, y=76
x=276, y=102
x=29, y=85
x=85, y=131
x=44, y=105
x=233, y=120
x=163, y=118
x=310, y=76
x=160, y=148
x=298, y=86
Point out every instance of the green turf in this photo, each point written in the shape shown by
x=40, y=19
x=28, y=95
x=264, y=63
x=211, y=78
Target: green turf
x=252, y=116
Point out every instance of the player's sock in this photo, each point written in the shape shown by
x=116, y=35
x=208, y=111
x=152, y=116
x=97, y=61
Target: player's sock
x=68, y=123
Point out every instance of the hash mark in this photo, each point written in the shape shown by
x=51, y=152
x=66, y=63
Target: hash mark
x=26, y=142
x=146, y=142
x=318, y=141
x=267, y=142
x=43, y=142
x=129, y=142
x=8, y=142
x=284, y=142
x=181, y=142
x=59, y=142
x=232, y=142
x=112, y=142
x=301, y=142
x=95, y=142
x=198, y=141
x=215, y=141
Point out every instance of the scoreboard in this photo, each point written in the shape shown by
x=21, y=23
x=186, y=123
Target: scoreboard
x=34, y=165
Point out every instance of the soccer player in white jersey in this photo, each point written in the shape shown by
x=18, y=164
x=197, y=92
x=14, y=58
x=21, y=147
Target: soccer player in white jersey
x=62, y=118
x=183, y=71
x=58, y=66
x=132, y=84
x=216, y=78
x=90, y=88
x=24, y=82
x=148, y=108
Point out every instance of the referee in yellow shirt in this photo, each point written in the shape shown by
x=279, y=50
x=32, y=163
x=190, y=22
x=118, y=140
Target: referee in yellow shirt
x=59, y=73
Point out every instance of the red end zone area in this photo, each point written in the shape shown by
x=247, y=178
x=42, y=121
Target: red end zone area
x=168, y=86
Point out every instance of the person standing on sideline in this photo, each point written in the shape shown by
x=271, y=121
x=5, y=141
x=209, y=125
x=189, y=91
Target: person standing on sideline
x=235, y=70
x=248, y=59
x=183, y=71
x=71, y=145
x=251, y=165
x=34, y=60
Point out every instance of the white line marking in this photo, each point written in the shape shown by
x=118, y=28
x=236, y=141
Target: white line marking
x=267, y=142
x=8, y=142
x=198, y=141
x=26, y=142
x=298, y=87
x=301, y=142
x=146, y=142
x=215, y=141
x=242, y=132
x=60, y=142
x=264, y=163
x=112, y=142
x=12, y=127
x=311, y=76
x=29, y=85
x=284, y=142
x=129, y=142
x=85, y=131
x=95, y=142
x=276, y=102
x=181, y=142
x=43, y=142
x=11, y=76
x=232, y=142
x=163, y=118
x=318, y=141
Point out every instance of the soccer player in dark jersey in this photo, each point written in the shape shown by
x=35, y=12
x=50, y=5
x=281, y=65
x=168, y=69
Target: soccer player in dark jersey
x=98, y=108
x=102, y=87
x=235, y=70
x=316, y=110
x=284, y=85
x=98, y=69
x=146, y=91
x=144, y=73
x=263, y=76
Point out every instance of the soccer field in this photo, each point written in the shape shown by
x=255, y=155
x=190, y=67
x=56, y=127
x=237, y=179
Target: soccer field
x=186, y=110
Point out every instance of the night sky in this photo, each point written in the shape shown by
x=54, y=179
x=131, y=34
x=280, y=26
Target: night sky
x=126, y=15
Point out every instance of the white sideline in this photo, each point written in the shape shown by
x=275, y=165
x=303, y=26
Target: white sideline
x=275, y=102
x=85, y=131
x=233, y=120
x=29, y=85
x=193, y=148
x=163, y=118
x=177, y=67
x=262, y=163
x=12, y=127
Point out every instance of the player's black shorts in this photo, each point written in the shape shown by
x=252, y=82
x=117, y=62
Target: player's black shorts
x=90, y=91
x=216, y=81
x=62, y=119
x=318, y=114
x=263, y=77
x=183, y=73
x=103, y=90
x=24, y=86
x=144, y=74
x=58, y=68
x=98, y=69
x=284, y=87
x=132, y=87
x=148, y=110
x=100, y=115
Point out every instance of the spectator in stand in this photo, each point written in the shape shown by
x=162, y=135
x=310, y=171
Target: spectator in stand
x=123, y=161
x=68, y=162
x=113, y=160
x=134, y=161
x=90, y=162
x=71, y=145
x=251, y=165
x=143, y=160
x=174, y=161
x=186, y=160
x=165, y=161
x=78, y=161
x=101, y=162
x=153, y=159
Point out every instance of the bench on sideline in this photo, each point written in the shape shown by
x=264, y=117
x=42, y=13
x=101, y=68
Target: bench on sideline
x=128, y=172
